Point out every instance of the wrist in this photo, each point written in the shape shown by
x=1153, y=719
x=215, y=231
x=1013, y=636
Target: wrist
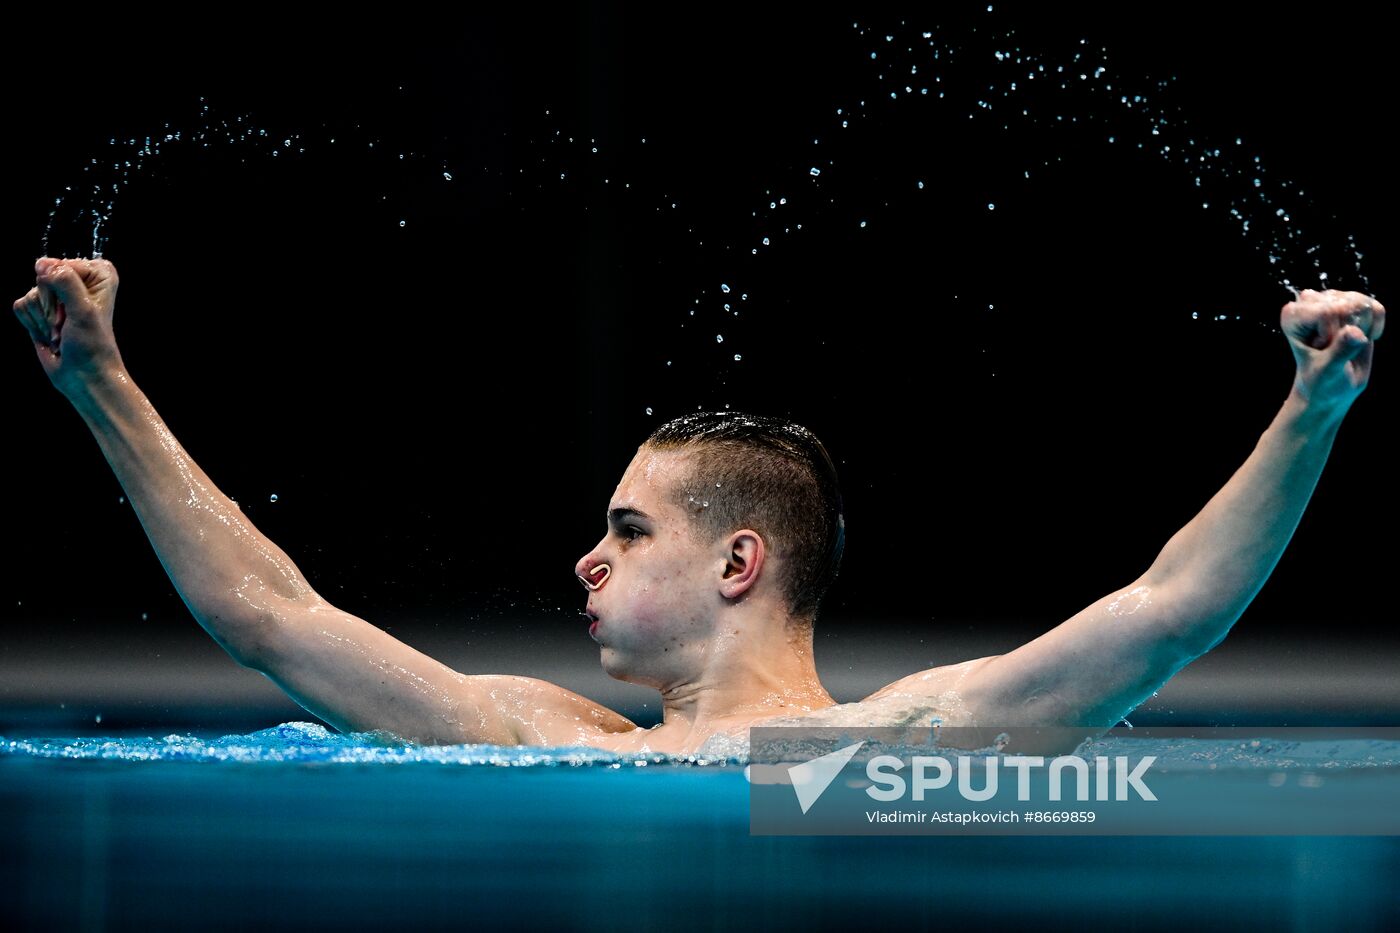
x=91, y=392
x=1312, y=414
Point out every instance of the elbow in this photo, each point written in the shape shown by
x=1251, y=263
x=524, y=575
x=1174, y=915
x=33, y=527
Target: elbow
x=249, y=656
x=1199, y=634
x=1187, y=640
x=1190, y=620
x=1214, y=638
x=247, y=637
x=266, y=638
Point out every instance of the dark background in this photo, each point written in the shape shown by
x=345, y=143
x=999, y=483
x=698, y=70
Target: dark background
x=1025, y=403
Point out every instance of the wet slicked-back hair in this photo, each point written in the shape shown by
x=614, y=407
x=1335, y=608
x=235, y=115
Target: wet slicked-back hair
x=770, y=475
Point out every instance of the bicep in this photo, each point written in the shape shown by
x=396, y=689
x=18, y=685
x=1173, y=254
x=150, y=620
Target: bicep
x=359, y=678
x=1091, y=670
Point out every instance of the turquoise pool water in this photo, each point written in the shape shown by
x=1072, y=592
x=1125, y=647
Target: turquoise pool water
x=298, y=826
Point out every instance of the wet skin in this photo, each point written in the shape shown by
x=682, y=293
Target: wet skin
x=702, y=622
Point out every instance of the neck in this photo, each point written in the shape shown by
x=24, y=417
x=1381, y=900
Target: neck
x=753, y=668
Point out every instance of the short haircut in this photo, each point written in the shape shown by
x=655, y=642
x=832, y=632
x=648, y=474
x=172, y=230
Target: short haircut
x=753, y=471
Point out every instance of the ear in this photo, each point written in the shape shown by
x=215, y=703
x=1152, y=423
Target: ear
x=744, y=557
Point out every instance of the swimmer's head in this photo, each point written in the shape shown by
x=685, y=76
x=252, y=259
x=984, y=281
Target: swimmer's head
x=771, y=475
x=720, y=519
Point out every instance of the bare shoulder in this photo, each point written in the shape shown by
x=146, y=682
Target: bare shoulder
x=359, y=678
x=939, y=694
x=936, y=682
x=543, y=713
x=956, y=695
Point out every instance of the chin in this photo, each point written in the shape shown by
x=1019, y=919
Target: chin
x=618, y=667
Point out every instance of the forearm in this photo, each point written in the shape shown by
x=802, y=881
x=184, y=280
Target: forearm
x=1211, y=569
x=233, y=579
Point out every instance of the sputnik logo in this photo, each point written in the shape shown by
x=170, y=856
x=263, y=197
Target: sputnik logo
x=811, y=778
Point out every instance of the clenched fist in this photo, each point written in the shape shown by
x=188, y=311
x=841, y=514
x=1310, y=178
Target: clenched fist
x=68, y=314
x=1333, y=336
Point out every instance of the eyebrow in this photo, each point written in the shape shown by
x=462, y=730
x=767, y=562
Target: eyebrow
x=620, y=515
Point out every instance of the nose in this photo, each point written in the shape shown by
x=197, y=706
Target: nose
x=592, y=573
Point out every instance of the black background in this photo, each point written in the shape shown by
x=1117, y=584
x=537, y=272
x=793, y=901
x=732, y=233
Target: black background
x=1020, y=402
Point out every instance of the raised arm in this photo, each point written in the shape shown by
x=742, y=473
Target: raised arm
x=231, y=577
x=241, y=587
x=1099, y=665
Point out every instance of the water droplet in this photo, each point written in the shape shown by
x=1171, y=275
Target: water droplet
x=447, y=176
x=719, y=338
x=648, y=411
x=403, y=223
x=272, y=498
x=737, y=358
x=991, y=207
x=816, y=171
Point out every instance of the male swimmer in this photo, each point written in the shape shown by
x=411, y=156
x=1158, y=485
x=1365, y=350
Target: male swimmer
x=723, y=535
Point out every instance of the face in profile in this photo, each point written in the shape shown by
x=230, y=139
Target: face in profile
x=657, y=604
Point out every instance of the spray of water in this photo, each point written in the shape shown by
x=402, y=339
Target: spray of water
x=85, y=210
x=985, y=73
